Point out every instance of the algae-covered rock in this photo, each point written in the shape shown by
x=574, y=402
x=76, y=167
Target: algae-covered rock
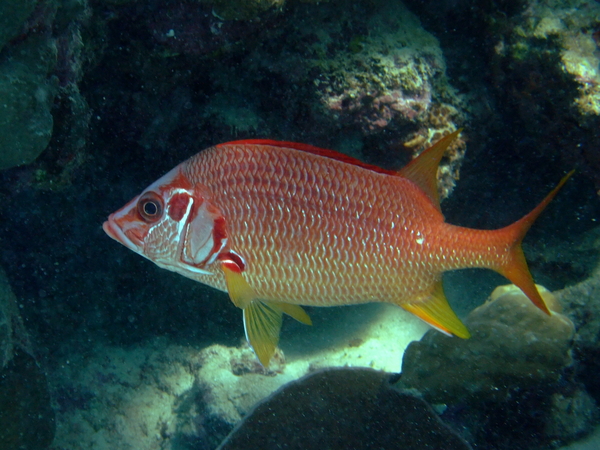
x=582, y=304
x=24, y=396
x=513, y=346
x=13, y=14
x=371, y=68
x=26, y=414
x=242, y=9
x=13, y=336
x=26, y=97
x=342, y=408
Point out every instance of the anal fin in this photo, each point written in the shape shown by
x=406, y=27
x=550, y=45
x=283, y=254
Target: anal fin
x=436, y=311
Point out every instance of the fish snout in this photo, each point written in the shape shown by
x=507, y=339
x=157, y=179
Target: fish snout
x=118, y=232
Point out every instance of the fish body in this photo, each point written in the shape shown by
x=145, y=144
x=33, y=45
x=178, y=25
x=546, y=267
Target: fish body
x=279, y=225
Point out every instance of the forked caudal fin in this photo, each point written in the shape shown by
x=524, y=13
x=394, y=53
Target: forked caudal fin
x=515, y=268
x=435, y=310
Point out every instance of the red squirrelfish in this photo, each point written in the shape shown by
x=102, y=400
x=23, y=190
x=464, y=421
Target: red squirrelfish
x=279, y=224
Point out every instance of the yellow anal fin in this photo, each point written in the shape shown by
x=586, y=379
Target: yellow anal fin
x=437, y=312
x=240, y=292
x=262, y=323
x=294, y=311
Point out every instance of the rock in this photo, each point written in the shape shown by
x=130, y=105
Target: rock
x=382, y=73
x=342, y=408
x=513, y=346
x=24, y=395
x=12, y=332
x=13, y=14
x=510, y=385
x=25, y=411
x=582, y=305
x=571, y=416
x=27, y=94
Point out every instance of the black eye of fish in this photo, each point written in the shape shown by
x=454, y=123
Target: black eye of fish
x=150, y=207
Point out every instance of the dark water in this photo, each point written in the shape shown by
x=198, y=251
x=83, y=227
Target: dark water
x=141, y=86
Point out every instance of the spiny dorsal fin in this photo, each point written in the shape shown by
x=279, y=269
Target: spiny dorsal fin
x=436, y=311
x=423, y=170
x=331, y=154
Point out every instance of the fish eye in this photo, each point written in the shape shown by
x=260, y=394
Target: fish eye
x=150, y=207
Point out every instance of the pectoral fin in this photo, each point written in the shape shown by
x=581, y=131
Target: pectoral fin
x=437, y=312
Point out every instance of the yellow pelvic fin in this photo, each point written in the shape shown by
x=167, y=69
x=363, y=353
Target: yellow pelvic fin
x=240, y=292
x=262, y=318
x=262, y=324
x=423, y=170
x=437, y=312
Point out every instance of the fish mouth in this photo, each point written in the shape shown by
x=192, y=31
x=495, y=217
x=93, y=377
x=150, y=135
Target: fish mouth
x=115, y=232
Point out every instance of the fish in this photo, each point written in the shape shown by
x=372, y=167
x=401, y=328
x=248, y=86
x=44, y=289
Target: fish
x=281, y=225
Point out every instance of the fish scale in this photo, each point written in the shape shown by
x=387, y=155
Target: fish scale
x=366, y=260
x=281, y=224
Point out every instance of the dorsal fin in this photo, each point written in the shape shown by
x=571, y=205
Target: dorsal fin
x=423, y=170
x=331, y=154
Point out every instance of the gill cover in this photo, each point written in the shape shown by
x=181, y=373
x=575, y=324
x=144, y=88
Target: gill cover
x=204, y=235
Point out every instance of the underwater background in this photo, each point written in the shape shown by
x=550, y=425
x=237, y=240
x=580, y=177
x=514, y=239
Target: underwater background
x=101, y=349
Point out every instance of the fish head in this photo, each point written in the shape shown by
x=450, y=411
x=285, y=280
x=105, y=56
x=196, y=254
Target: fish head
x=172, y=223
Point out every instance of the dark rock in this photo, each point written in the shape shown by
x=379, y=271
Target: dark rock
x=25, y=413
x=342, y=409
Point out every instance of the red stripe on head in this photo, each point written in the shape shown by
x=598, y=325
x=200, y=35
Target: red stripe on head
x=178, y=206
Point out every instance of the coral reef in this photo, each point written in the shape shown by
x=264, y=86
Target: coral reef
x=324, y=404
x=574, y=27
x=361, y=77
x=27, y=93
x=533, y=69
x=582, y=303
x=384, y=74
x=166, y=78
x=40, y=68
x=518, y=347
x=514, y=368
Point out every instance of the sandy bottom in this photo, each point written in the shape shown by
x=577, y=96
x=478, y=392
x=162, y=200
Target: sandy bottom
x=165, y=396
